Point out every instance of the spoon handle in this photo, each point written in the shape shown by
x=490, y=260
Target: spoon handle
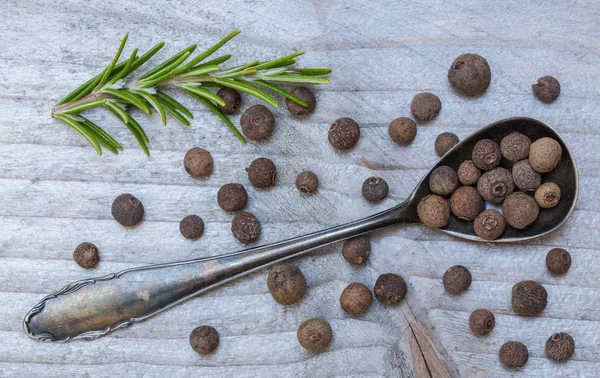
x=92, y=308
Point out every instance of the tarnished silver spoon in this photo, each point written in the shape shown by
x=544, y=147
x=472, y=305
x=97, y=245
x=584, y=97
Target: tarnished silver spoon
x=94, y=307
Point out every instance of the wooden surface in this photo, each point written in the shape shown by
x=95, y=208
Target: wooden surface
x=57, y=193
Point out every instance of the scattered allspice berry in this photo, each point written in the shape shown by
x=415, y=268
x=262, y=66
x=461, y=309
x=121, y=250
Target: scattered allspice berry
x=434, y=211
x=515, y=146
x=375, y=189
x=232, y=98
x=443, y=181
x=257, y=122
x=344, y=133
x=470, y=74
x=305, y=95
x=314, y=334
x=286, y=284
x=191, y=227
x=402, y=130
x=356, y=250
x=486, y=154
x=262, y=173
x=466, y=203
x=204, y=339
x=86, y=255
x=495, y=185
x=127, y=210
x=444, y=142
x=489, y=224
x=198, y=162
x=525, y=177
x=520, y=210
x=544, y=154
x=245, y=227
x=482, y=321
x=390, y=288
x=547, y=195
x=529, y=298
x=560, y=346
x=514, y=354
x=356, y=299
x=558, y=261
x=468, y=173
x=232, y=197
x=547, y=88
x=307, y=182
x=457, y=279
x=425, y=106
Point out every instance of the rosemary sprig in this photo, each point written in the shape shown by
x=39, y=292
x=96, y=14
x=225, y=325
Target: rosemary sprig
x=114, y=90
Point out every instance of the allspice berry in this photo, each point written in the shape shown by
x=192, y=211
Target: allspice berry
x=434, y=211
x=466, y=203
x=486, y=154
x=402, y=130
x=560, y=346
x=257, y=122
x=489, y=224
x=457, y=279
x=86, y=255
x=544, y=154
x=468, y=173
x=482, y=321
x=356, y=299
x=286, y=284
x=356, y=250
x=515, y=146
x=470, y=74
x=245, y=227
x=547, y=195
x=127, y=210
x=547, y=88
x=262, y=173
x=425, y=106
x=375, y=189
x=344, y=133
x=529, y=298
x=558, y=261
x=514, y=354
x=232, y=197
x=444, y=142
x=525, y=177
x=191, y=227
x=204, y=339
x=495, y=185
x=443, y=181
x=232, y=98
x=314, y=334
x=520, y=210
x=198, y=162
x=305, y=95
x=390, y=288
x=307, y=182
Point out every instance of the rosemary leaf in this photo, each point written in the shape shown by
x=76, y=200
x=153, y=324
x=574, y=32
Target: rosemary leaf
x=243, y=86
x=81, y=129
x=201, y=71
x=212, y=49
x=188, y=49
x=281, y=91
x=122, y=73
x=144, y=58
x=100, y=138
x=109, y=69
x=311, y=71
x=84, y=106
x=216, y=61
x=129, y=97
x=165, y=73
x=222, y=116
x=297, y=79
x=117, y=110
x=139, y=138
x=155, y=104
x=139, y=129
x=171, y=109
x=275, y=62
x=203, y=93
x=103, y=133
x=174, y=103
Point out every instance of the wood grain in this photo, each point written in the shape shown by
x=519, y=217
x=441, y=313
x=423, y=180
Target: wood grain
x=57, y=193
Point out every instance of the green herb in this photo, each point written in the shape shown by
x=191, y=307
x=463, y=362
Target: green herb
x=114, y=90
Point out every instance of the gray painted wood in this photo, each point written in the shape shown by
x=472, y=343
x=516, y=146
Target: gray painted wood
x=56, y=192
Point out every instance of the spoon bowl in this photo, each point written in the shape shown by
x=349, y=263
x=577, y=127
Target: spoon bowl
x=92, y=308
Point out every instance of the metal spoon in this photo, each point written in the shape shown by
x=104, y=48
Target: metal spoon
x=94, y=307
